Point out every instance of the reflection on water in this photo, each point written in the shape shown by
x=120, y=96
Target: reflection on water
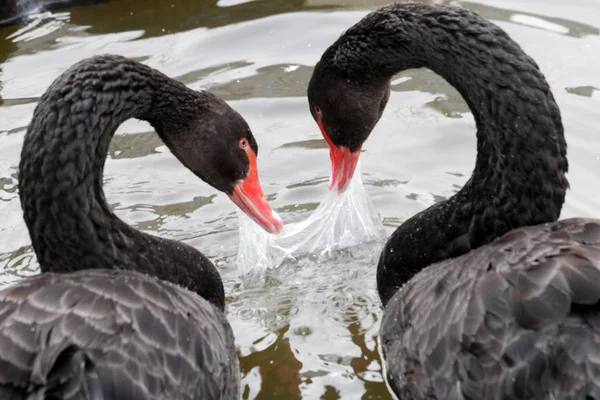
x=310, y=330
x=320, y=327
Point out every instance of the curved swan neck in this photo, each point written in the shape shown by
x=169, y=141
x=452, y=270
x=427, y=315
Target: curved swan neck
x=519, y=176
x=62, y=161
x=63, y=158
x=514, y=110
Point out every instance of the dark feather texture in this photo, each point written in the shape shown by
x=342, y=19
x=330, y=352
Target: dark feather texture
x=466, y=319
x=62, y=162
x=519, y=175
x=102, y=334
x=110, y=331
x=516, y=319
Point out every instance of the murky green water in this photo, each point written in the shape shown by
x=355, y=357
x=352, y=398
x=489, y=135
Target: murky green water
x=311, y=330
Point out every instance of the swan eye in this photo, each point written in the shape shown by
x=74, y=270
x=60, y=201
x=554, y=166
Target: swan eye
x=318, y=111
x=243, y=143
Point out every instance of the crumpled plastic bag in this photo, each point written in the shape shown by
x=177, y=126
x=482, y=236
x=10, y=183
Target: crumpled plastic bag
x=340, y=222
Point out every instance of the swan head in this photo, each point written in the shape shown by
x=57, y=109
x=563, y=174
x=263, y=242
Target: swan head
x=346, y=109
x=216, y=143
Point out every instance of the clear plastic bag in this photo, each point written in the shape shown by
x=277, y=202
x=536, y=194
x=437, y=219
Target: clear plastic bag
x=340, y=222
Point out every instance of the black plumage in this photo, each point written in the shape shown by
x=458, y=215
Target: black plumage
x=516, y=319
x=494, y=322
x=117, y=313
x=100, y=335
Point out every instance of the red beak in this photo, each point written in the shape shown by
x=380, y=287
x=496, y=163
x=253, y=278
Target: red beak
x=343, y=162
x=249, y=197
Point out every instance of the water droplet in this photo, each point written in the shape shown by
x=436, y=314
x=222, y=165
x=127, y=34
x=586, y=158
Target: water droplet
x=302, y=331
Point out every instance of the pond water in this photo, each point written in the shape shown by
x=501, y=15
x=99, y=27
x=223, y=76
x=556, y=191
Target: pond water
x=310, y=329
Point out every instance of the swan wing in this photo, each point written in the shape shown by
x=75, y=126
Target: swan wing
x=515, y=319
x=112, y=335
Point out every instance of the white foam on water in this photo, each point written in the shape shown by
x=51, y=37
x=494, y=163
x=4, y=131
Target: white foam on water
x=340, y=222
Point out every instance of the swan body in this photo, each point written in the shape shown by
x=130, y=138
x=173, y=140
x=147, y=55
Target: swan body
x=516, y=319
x=108, y=334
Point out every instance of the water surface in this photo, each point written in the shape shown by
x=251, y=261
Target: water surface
x=311, y=330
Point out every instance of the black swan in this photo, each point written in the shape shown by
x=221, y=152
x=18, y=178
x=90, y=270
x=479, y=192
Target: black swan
x=118, y=313
x=514, y=318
